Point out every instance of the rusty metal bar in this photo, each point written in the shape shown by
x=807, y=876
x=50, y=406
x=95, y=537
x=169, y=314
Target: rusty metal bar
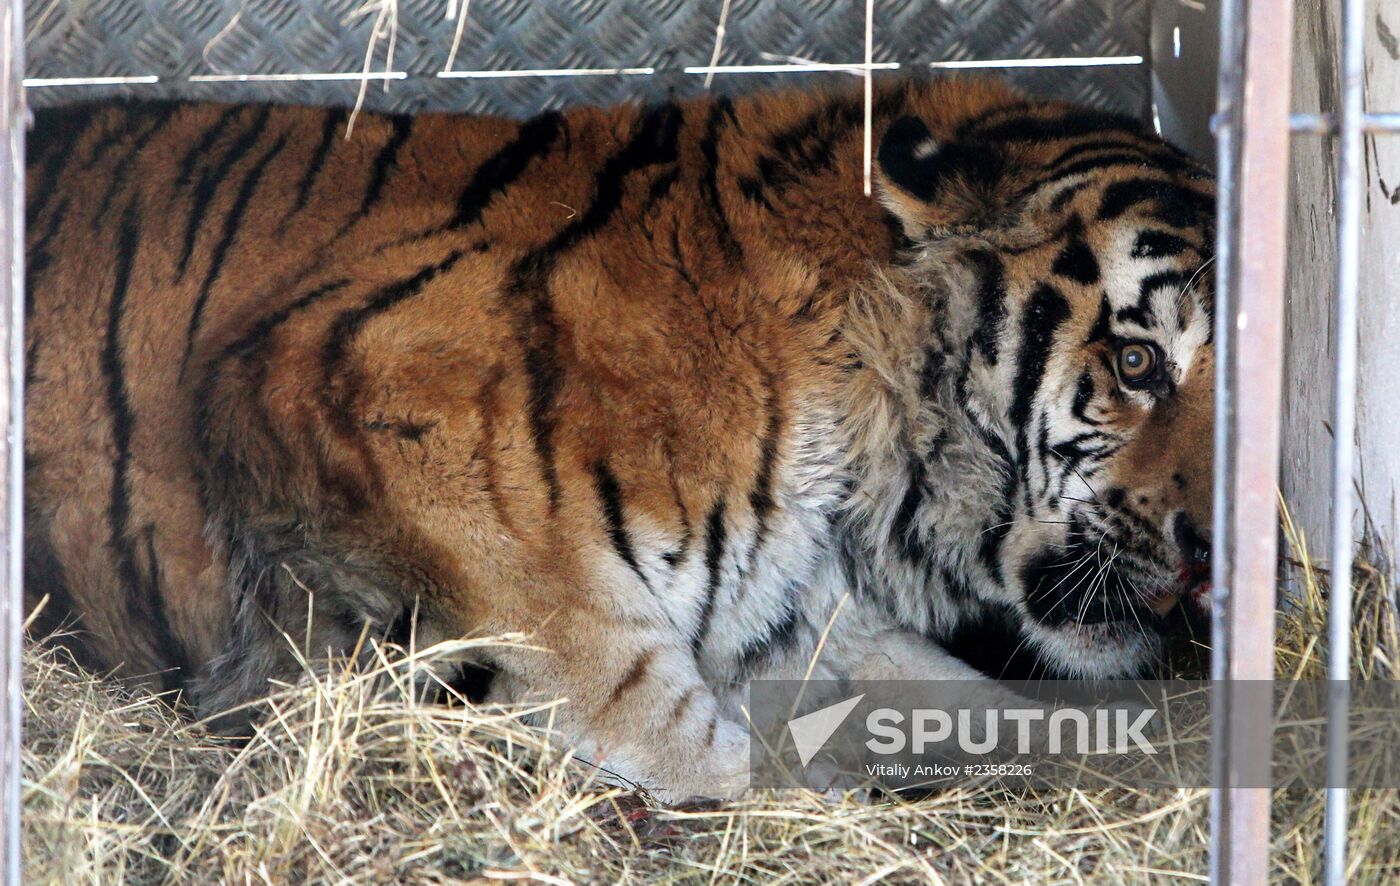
x=1350, y=184
x=1256, y=45
x=12, y=122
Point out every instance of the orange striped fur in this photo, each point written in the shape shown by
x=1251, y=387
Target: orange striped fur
x=658, y=386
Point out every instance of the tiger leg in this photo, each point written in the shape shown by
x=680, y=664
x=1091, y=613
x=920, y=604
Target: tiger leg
x=634, y=704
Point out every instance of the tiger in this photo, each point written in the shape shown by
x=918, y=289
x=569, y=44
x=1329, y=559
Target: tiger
x=662, y=388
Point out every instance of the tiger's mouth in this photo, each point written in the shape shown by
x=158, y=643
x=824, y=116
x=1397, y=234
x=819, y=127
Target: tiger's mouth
x=1089, y=582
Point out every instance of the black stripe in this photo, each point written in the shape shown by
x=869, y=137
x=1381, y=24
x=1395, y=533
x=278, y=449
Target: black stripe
x=761, y=496
x=31, y=360
x=122, y=171
x=1098, y=164
x=354, y=493
x=1077, y=262
x=674, y=558
x=722, y=109
x=42, y=180
x=206, y=142
x=777, y=636
x=1117, y=144
x=1173, y=204
x=1083, y=396
x=932, y=374
x=964, y=162
x=993, y=536
x=610, y=494
x=1176, y=280
x=714, y=551
x=60, y=622
x=45, y=576
x=1073, y=452
x=116, y=134
x=256, y=336
x=144, y=604
x=535, y=138
x=1044, y=314
x=1070, y=125
x=1067, y=194
x=248, y=344
x=653, y=142
x=56, y=131
x=1155, y=244
x=752, y=190
x=216, y=263
x=635, y=673
x=991, y=303
x=50, y=145
x=209, y=181
x=1134, y=314
x=660, y=187
x=904, y=531
x=993, y=642
x=808, y=148
x=537, y=337
x=1103, y=326
x=334, y=120
x=385, y=161
x=955, y=584
x=39, y=256
x=348, y=324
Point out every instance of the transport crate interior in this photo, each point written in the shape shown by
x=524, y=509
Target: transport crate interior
x=125, y=763
x=427, y=42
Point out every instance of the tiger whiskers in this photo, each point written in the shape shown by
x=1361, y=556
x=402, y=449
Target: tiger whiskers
x=1191, y=281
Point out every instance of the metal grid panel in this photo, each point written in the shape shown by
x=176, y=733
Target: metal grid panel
x=175, y=39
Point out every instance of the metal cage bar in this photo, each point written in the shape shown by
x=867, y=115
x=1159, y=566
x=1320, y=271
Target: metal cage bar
x=1256, y=39
x=1227, y=160
x=1351, y=122
x=12, y=119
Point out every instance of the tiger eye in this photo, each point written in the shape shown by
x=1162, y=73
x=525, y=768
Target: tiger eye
x=1137, y=362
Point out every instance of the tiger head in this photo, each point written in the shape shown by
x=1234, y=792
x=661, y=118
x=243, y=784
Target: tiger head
x=1052, y=509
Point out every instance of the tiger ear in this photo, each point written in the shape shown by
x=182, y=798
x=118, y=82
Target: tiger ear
x=929, y=184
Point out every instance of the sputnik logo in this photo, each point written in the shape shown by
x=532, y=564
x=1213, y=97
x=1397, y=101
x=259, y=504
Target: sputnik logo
x=810, y=731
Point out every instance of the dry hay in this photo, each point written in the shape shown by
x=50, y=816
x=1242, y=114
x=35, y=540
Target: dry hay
x=347, y=783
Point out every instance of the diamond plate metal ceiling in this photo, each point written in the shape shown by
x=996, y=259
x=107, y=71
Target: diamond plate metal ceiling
x=174, y=39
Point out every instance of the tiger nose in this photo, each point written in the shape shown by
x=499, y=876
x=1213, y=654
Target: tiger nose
x=1195, y=548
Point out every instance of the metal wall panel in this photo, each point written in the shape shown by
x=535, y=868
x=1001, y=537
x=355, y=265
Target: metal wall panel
x=178, y=38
